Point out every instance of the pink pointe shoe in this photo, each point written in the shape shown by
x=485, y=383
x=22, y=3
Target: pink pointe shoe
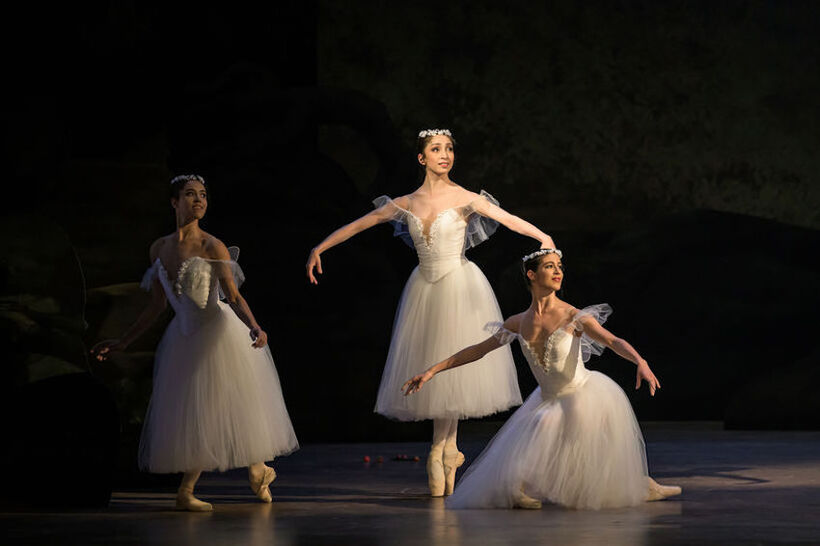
x=659, y=492
x=261, y=486
x=435, y=473
x=452, y=460
x=522, y=500
x=188, y=502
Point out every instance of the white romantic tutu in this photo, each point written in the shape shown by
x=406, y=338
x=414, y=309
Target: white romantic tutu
x=435, y=320
x=217, y=403
x=581, y=449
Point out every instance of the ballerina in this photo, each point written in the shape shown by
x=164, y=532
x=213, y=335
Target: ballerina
x=217, y=402
x=441, y=220
x=575, y=441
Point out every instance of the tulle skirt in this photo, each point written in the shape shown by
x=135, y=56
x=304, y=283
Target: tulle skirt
x=216, y=404
x=583, y=449
x=435, y=320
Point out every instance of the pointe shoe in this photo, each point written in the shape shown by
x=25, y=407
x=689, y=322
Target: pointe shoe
x=187, y=501
x=522, y=500
x=260, y=487
x=435, y=473
x=659, y=492
x=451, y=463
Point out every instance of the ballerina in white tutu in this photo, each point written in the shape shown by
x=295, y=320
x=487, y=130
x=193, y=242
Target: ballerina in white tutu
x=445, y=304
x=217, y=402
x=575, y=441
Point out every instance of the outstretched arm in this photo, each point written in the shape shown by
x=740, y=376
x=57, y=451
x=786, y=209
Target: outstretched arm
x=378, y=216
x=156, y=305
x=238, y=304
x=623, y=349
x=519, y=225
x=464, y=356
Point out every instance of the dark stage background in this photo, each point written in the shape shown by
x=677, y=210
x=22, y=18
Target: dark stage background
x=669, y=147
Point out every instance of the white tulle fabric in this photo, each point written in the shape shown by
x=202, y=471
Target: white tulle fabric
x=217, y=402
x=574, y=442
x=445, y=304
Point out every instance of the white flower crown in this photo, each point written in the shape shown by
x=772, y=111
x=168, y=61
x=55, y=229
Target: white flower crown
x=541, y=252
x=433, y=132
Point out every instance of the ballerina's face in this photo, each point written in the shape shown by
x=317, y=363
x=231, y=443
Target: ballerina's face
x=438, y=155
x=192, y=201
x=549, y=274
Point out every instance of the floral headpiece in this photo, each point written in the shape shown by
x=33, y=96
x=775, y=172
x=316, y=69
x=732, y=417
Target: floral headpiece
x=433, y=132
x=187, y=178
x=542, y=252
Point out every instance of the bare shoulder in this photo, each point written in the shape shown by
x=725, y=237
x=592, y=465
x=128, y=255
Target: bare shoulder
x=157, y=246
x=215, y=248
x=513, y=323
x=403, y=201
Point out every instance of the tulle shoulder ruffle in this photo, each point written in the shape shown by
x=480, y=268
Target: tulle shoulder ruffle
x=479, y=227
x=150, y=275
x=397, y=217
x=600, y=313
x=497, y=330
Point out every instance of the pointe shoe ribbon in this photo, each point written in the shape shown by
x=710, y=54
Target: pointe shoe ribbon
x=435, y=473
x=451, y=463
x=261, y=487
x=187, y=501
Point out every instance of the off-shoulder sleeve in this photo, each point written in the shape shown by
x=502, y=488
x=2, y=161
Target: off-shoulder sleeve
x=228, y=267
x=150, y=276
x=398, y=218
x=600, y=313
x=497, y=330
x=479, y=227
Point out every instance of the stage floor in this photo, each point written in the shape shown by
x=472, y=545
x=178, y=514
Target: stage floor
x=739, y=487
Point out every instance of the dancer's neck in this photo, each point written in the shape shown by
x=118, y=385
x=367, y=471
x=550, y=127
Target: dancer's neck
x=434, y=183
x=544, y=300
x=188, y=229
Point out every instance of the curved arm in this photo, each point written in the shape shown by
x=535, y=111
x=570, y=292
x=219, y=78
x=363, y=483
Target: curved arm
x=156, y=305
x=622, y=348
x=464, y=356
x=512, y=222
x=237, y=303
x=375, y=217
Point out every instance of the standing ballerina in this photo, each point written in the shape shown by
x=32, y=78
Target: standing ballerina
x=217, y=403
x=575, y=441
x=444, y=306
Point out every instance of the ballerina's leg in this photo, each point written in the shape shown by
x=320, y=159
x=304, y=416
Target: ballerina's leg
x=435, y=465
x=452, y=458
x=185, y=494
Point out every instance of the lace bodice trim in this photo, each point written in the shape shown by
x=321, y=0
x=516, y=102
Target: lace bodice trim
x=192, y=280
x=599, y=312
x=479, y=228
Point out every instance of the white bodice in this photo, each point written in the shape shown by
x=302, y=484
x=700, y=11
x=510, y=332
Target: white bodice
x=194, y=294
x=558, y=364
x=443, y=249
x=559, y=368
x=451, y=233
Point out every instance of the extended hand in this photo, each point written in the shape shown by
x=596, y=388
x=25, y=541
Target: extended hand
x=259, y=337
x=102, y=350
x=548, y=243
x=313, y=261
x=414, y=385
x=645, y=374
